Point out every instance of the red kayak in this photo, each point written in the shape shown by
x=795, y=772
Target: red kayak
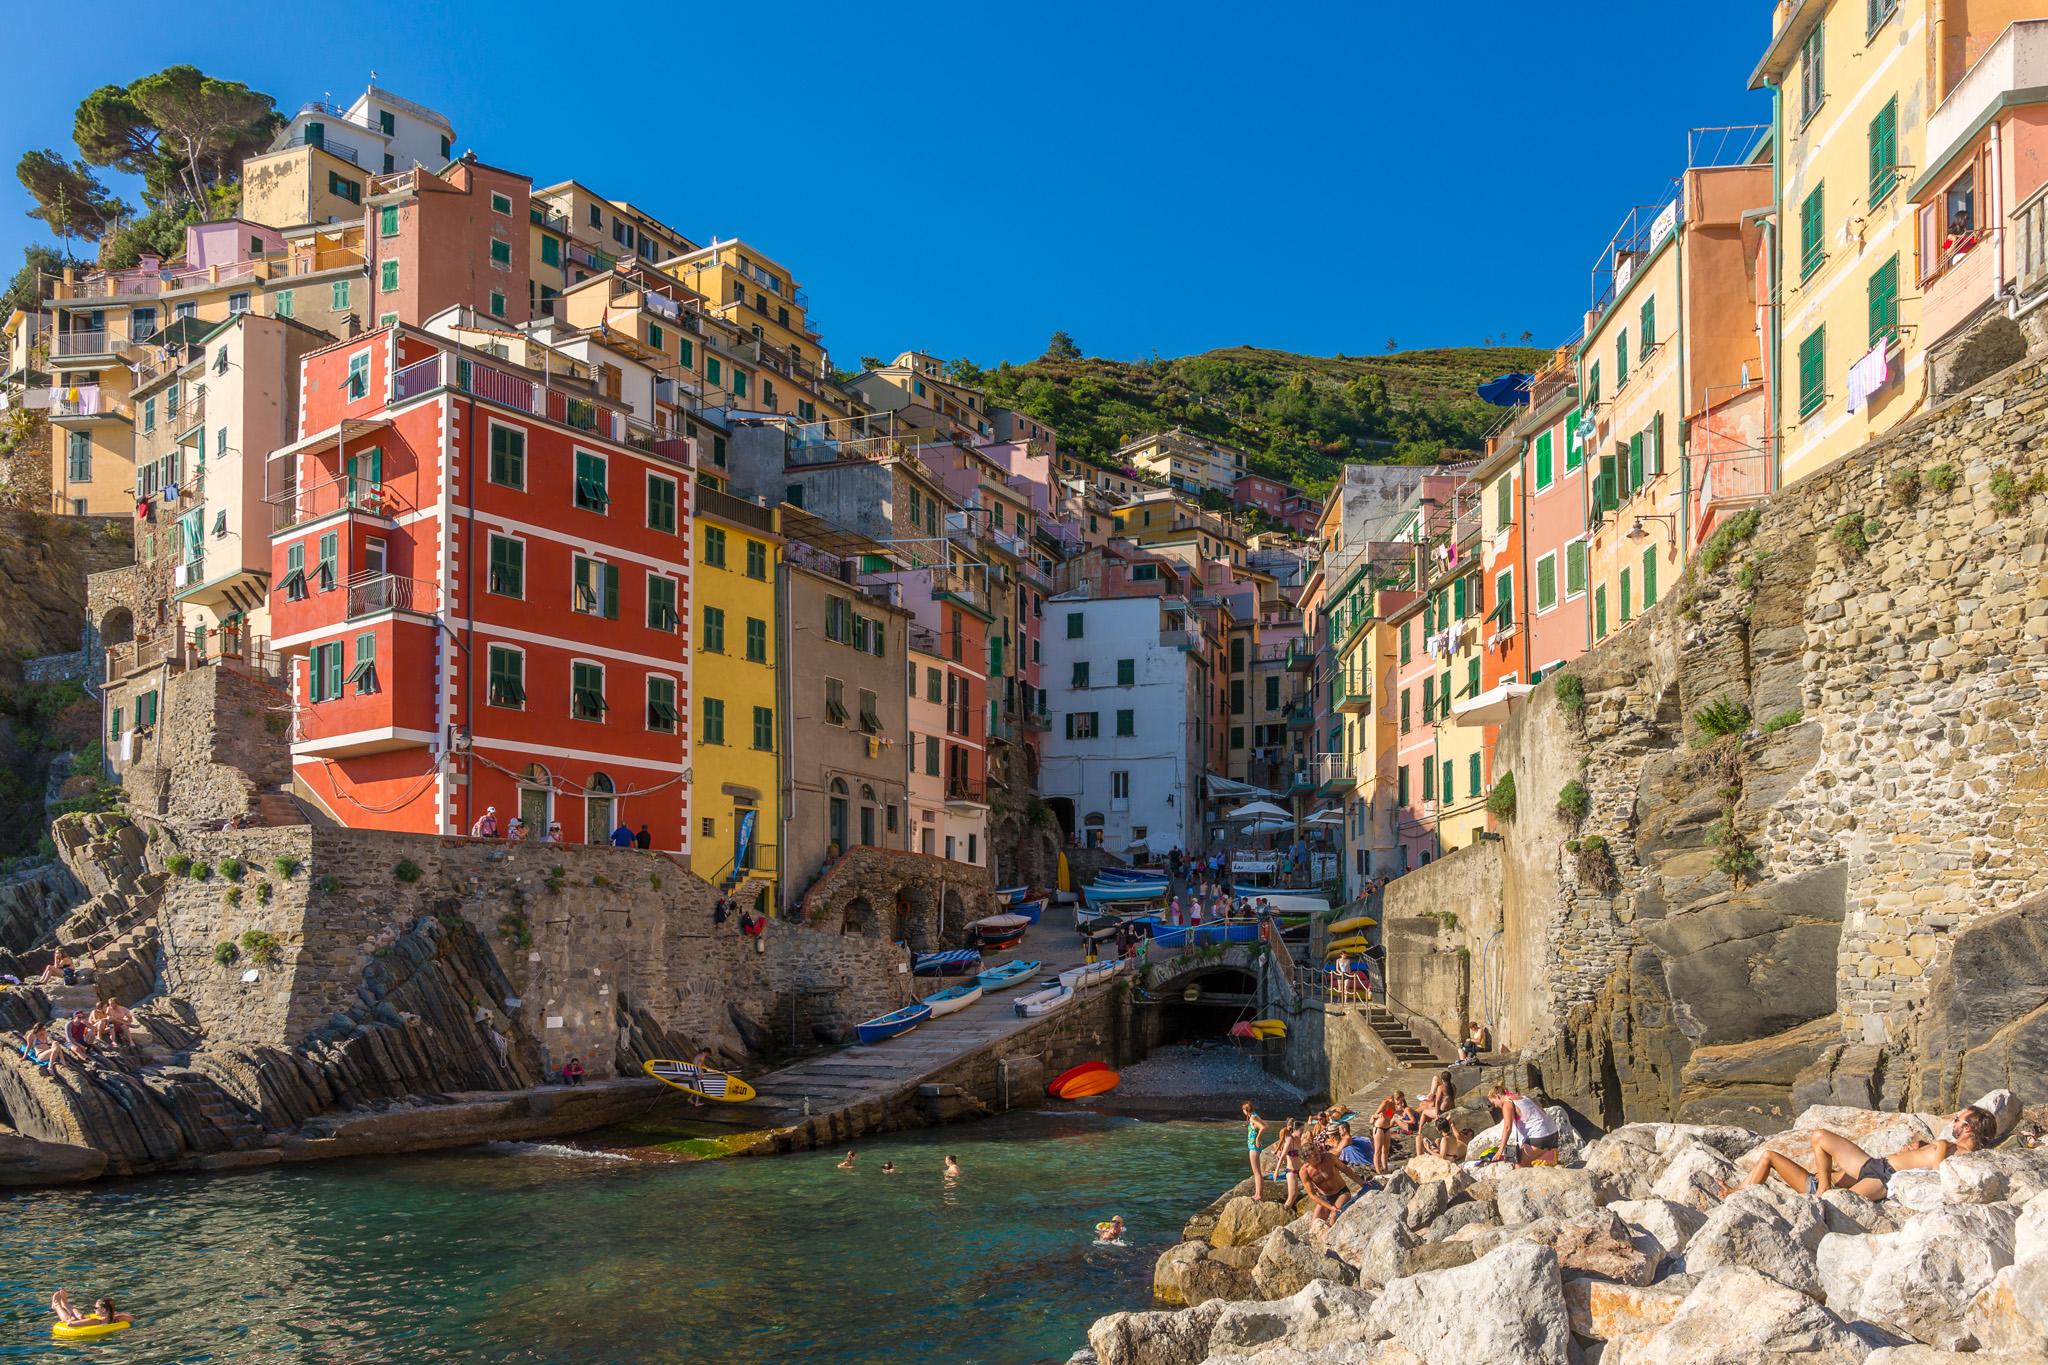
x=1053, y=1086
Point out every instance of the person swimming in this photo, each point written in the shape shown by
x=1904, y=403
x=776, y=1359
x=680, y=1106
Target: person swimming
x=952, y=1169
x=847, y=1164
x=888, y=1168
x=1112, y=1231
x=103, y=1312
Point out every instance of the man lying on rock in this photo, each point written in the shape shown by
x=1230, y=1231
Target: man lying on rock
x=1839, y=1164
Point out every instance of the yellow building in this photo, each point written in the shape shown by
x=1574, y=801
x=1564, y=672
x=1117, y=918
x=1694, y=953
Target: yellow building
x=759, y=297
x=1183, y=460
x=736, y=774
x=1854, y=81
x=1161, y=521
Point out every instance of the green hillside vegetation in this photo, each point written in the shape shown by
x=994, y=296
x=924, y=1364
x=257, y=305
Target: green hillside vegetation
x=1299, y=417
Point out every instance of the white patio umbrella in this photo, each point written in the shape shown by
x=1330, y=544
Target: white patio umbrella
x=1268, y=826
x=1256, y=810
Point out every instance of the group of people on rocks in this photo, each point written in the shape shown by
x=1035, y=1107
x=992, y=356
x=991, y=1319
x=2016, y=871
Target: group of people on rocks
x=517, y=831
x=75, y=1039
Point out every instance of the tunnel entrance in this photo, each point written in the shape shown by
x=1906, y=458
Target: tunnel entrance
x=1202, y=1006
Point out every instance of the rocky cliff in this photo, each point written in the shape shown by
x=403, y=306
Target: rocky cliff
x=44, y=561
x=1785, y=838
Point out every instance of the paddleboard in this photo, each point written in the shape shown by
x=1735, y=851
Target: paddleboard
x=1352, y=925
x=1052, y=1087
x=696, y=1080
x=1090, y=1083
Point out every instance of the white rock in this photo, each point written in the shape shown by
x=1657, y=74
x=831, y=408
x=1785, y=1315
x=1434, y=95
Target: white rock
x=1843, y=1261
x=1544, y=1192
x=2030, y=1234
x=1736, y=1316
x=1173, y=1338
x=1506, y=1308
x=1994, y=1177
x=1847, y=1211
x=1669, y=1226
x=1923, y=1277
x=1916, y=1191
x=2003, y=1108
x=1749, y=1230
x=2011, y=1312
x=1694, y=1177
x=1321, y=1314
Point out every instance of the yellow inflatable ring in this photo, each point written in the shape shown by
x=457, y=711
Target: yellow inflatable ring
x=1104, y=1227
x=75, y=1332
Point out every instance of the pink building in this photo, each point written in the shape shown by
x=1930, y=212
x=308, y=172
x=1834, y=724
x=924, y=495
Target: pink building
x=1282, y=502
x=1414, y=776
x=1554, y=623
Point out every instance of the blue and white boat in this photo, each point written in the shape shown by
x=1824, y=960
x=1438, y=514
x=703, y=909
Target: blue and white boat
x=1109, y=893
x=953, y=998
x=1030, y=910
x=951, y=962
x=887, y=1026
x=1043, y=1001
x=1012, y=973
x=1130, y=874
x=1090, y=974
x=1012, y=894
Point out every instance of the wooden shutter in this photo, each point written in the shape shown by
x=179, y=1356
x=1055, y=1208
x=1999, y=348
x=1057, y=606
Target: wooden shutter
x=1930, y=240
x=1635, y=463
x=1653, y=451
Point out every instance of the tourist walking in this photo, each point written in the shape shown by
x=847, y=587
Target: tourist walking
x=622, y=837
x=486, y=826
x=643, y=839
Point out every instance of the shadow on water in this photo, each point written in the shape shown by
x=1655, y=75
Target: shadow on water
x=546, y=1253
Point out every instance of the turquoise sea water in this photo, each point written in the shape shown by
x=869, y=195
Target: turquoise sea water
x=521, y=1253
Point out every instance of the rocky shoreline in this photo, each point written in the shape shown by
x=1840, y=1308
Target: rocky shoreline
x=1625, y=1254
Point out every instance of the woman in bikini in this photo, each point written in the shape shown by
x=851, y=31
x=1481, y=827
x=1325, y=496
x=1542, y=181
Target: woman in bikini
x=1438, y=1101
x=1839, y=1164
x=1254, y=1130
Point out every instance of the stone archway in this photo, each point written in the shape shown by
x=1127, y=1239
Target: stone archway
x=1991, y=346
x=952, y=914
x=859, y=917
x=117, y=627
x=914, y=918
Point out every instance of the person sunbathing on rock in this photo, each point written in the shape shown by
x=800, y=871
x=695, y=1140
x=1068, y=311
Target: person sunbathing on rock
x=39, y=1047
x=1839, y=1164
x=1439, y=1099
x=114, y=1021
x=1451, y=1141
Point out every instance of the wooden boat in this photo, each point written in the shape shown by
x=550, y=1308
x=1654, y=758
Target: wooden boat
x=1030, y=910
x=1000, y=927
x=1130, y=874
x=1052, y=1087
x=1012, y=973
x=1112, y=893
x=1356, y=924
x=1089, y=1084
x=951, y=962
x=700, y=1080
x=1012, y=894
x=884, y=1027
x=1044, y=1000
x=953, y=999
x=1090, y=974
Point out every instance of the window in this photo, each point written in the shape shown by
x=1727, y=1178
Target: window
x=1813, y=378
x=661, y=503
x=324, y=671
x=508, y=456
x=338, y=295
x=330, y=555
x=757, y=560
x=764, y=727
x=363, y=677
x=1649, y=578
x=498, y=305
x=586, y=691
x=1404, y=640
x=508, y=566
x=501, y=203
x=238, y=302
x=1632, y=472
x=1401, y=785
x=1272, y=692
x=1429, y=698
x=359, y=375
x=1884, y=301
x=714, y=552
x=835, y=701
x=655, y=336
x=387, y=221
x=1620, y=359
x=294, y=583
x=711, y=730
x=1503, y=601
x=596, y=216
x=1878, y=11
x=1080, y=675
x=77, y=457
x=757, y=640
x=1546, y=471
x=591, y=494
x=341, y=187
x=1449, y=792
x=661, y=704
x=387, y=123
x=1593, y=385
x=870, y=717
x=1144, y=573
x=1574, y=568
x=1546, y=582
x=1812, y=88
x=713, y=637
x=282, y=304
x=1126, y=723
x=1884, y=152
x=1406, y=695
x=1428, y=780
x=501, y=252
x=387, y=276
x=661, y=602
x=1627, y=598
x=1472, y=774
x=596, y=588
x=931, y=755
x=838, y=617
x=550, y=251
x=932, y=689
x=1573, y=455
x=1081, y=725
x=1600, y=612
x=1813, y=237
x=149, y=414
x=1120, y=786
x=1504, y=501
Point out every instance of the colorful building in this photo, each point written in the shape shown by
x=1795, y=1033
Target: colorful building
x=1184, y=461
x=736, y=776
x=485, y=597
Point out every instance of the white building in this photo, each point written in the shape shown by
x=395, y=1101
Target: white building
x=380, y=132
x=1123, y=762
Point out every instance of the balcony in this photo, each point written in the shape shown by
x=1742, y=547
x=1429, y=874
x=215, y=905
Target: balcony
x=297, y=506
x=1351, y=692
x=76, y=345
x=1035, y=718
x=965, y=789
x=1301, y=716
x=86, y=404
x=1298, y=781
x=1301, y=656
x=1336, y=772
x=507, y=389
x=369, y=594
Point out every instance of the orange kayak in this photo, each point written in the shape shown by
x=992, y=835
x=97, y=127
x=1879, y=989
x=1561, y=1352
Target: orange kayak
x=1090, y=1083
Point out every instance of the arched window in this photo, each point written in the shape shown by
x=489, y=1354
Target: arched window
x=600, y=809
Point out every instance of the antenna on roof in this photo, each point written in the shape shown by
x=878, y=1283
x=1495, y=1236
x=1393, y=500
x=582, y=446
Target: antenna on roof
x=373, y=75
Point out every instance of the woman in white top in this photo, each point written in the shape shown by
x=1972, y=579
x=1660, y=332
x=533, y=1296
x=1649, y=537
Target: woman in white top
x=1527, y=1126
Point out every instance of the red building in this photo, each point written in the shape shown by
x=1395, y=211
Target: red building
x=485, y=594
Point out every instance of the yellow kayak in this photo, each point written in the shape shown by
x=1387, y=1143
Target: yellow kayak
x=701, y=1080
x=1353, y=944
x=1353, y=925
x=1269, y=1028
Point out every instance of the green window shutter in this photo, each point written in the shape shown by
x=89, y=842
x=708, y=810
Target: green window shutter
x=1813, y=379
x=283, y=306
x=1074, y=624
x=387, y=221
x=1647, y=325
x=1458, y=599
x=656, y=337
x=1626, y=604
x=714, y=721
x=338, y=295
x=1575, y=568
x=1649, y=578
x=1126, y=723
x=1884, y=152
x=1449, y=794
x=550, y=251
x=387, y=276
x=764, y=727
x=1635, y=464
x=714, y=548
x=1401, y=786
x=1428, y=780
x=1504, y=501
x=1573, y=456
x=757, y=640
x=1593, y=384
x=1472, y=774
x=1604, y=499
x=1544, y=471
x=1600, y=612
x=1884, y=301
x=1404, y=640
x=1621, y=358
x=507, y=677
x=610, y=579
x=714, y=630
x=1127, y=673
x=661, y=503
x=1813, y=241
x=508, y=566
x=501, y=252
x=1653, y=447
x=1546, y=583
x=1504, y=600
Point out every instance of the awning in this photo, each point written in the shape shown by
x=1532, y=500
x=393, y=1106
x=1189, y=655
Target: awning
x=1222, y=788
x=1489, y=707
x=1326, y=817
x=1269, y=826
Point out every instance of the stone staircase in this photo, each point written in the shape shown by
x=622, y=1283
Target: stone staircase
x=1398, y=1039
x=277, y=806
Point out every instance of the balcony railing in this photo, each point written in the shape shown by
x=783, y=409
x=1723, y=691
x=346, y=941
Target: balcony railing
x=965, y=788
x=83, y=400
x=1351, y=690
x=325, y=144
x=507, y=389
x=388, y=592
x=1336, y=770
x=296, y=506
x=105, y=341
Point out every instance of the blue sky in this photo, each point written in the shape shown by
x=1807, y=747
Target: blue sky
x=965, y=178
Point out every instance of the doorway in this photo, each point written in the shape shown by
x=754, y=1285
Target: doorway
x=598, y=805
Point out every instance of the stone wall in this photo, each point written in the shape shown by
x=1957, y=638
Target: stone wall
x=222, y=737
x=73, y=666
x=586, y=937
x=1441, y=925
x=1736, y=918
x=916, y=899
